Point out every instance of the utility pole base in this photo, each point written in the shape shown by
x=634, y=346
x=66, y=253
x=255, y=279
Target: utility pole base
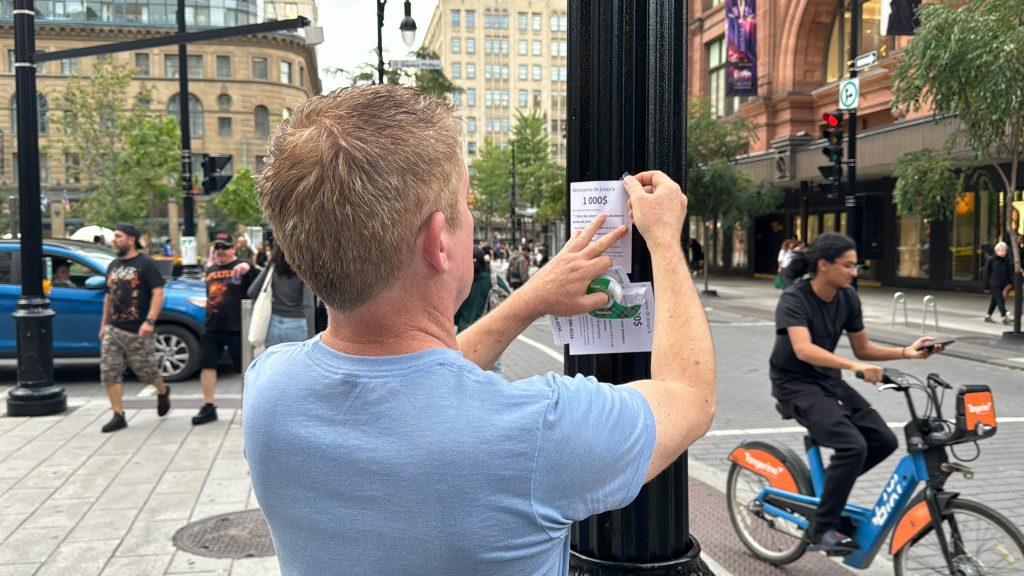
x=36, y=401
x=688, y=565
x=1012, y=340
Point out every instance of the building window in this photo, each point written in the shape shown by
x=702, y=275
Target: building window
x=261, y=163
x=913, y=251
x=554, y=22
x=456, y=44
x=536, y=72
x=535, y=21
x=522, y=17
x=286, y=72
x=224, y=102
x=522, y=47
x=523, y=71
x=470, y=19
x=195, y=113
x=72, y=168
x=223, y=66
x=457, y=98
x=975, y=220
x=471, y=97
x=224, y=128
x=259, y=69
x=261, y=118
x=471, y=125
x=195, y=66
x=470, y=71
x=504, y=47
x=471, y=148
x=69, y=66
x=170, y=65
x=523, y=98
x=456, y=70
x=42, y=109
x=721, y=105
x=10, y=61
x=870, y=38
x=471, y=45
x=536, y=98
x=456, y=18
x=141, y=64
x=44, y=169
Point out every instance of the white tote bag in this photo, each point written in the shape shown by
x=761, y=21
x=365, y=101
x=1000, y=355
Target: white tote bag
x=259, y=323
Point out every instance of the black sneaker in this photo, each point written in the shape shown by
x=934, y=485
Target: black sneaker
x=163, y=401
x=1006, y=320
x=989, y=320
x=208, y=413
x=834, y=543
x=116, y=423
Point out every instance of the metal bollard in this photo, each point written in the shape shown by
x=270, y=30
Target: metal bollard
x=246, y=347
x=899, y=299
x=929, y=303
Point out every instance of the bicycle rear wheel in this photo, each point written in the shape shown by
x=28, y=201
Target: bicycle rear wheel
x=772, y=539
x=982, y=541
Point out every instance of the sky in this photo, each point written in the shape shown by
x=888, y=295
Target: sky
x=350, y=33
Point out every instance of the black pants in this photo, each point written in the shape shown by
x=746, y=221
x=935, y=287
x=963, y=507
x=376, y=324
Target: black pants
x=841, y=419
x=997, y=300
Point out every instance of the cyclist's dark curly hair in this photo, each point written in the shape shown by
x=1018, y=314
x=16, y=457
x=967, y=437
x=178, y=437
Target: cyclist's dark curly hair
x=828, y=247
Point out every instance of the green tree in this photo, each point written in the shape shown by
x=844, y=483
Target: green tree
x=540, y=182
x=238, y=199
x=926, y=184
x=489, y=182
x=715, y=189
x=433, y=82
x=127, y=156
x=968, y=59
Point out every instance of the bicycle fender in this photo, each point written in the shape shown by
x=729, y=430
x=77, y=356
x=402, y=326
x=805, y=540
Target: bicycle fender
x=775, y=462
x=915, y=519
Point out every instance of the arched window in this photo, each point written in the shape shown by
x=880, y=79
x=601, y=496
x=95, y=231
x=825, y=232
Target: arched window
x=42, y=108
x=261, y=116
x=195, y=113
x=224, y=102
x=839, y=43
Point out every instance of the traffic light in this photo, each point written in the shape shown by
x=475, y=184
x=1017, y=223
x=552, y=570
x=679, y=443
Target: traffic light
x=213, y=179
x=832, y=132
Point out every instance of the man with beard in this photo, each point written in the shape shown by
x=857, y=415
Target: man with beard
x=227, y=281
x=135, y=295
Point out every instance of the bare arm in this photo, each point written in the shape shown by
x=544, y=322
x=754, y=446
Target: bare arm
x=681, y=391
x=557, y=288
x=106, y=314
x=865, y=349
x=156, y=303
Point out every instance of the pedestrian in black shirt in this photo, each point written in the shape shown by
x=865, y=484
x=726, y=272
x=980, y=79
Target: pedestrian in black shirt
x=227, y=281
x=805, y=372
x=997, y=279
x=135, y=295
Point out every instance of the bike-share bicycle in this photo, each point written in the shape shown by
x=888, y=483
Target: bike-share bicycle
x=772, y=495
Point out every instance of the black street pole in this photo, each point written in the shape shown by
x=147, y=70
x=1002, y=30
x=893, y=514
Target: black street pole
x=36, y=394
x=512, y=201
x=189, y=245
x=854, y=201
x=627, y=103
x=380, y=40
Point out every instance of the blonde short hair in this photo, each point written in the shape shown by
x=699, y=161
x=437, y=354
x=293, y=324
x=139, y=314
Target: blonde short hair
x=350, y=179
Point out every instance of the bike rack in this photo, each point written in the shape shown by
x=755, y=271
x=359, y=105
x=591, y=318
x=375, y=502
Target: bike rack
x=929, y=303
x=899, y=299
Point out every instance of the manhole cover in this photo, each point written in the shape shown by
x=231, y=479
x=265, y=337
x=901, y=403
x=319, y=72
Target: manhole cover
x=235, y=535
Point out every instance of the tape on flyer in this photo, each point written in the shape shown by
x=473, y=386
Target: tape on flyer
x=620, y=304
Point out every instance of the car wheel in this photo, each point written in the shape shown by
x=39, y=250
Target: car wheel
x=177, y=350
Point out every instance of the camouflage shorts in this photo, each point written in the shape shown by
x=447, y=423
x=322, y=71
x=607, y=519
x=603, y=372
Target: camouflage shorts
x=121, y=349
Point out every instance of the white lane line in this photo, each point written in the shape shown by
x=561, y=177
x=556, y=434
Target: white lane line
x=556, y=355
x=795, y=429
x=148, y=392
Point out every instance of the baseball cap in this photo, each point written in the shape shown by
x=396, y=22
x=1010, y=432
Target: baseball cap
x=131, y=230
x=222, y=239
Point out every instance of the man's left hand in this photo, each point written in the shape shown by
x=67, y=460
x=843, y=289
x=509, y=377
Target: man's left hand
x=916, y=349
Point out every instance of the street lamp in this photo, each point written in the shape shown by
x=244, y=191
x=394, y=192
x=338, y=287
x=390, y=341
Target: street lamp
x=408, y=28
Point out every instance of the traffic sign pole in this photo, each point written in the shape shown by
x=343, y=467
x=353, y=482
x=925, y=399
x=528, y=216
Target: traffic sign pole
x=854, y=202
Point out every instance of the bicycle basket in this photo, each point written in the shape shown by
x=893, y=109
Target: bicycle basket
x=975, y=414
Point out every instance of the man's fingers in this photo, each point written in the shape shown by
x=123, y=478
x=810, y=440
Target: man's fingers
x=605, y=242
x=588, y=233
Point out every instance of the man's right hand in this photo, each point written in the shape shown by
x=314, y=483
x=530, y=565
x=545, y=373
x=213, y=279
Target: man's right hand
x=102, y=327
x=871, y=373
x=658, y=208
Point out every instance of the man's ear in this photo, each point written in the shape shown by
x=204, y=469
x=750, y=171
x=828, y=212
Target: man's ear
x=435, y=244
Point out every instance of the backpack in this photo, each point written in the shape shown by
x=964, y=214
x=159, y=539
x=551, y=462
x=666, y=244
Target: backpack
x=518, y=269
x=497, y=294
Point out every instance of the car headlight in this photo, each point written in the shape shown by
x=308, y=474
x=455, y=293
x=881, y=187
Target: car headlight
x=197, y=301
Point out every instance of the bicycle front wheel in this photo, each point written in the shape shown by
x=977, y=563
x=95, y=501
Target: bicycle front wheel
x=982, y=542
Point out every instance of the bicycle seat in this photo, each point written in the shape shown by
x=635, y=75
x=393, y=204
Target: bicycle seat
x=786, y=414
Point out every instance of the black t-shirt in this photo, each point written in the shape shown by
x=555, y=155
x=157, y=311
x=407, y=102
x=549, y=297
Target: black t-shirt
x=826, y=321
x=130, y=284
x=225, y=290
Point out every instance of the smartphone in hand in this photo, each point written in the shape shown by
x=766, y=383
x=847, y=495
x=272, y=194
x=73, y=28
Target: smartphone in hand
x=931, y=346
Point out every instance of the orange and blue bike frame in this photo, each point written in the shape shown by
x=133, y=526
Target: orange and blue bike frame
x=872, y=523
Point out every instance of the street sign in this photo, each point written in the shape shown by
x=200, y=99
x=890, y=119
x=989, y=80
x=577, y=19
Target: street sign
x=849, y=94
x=418, y=64
x=864, y=61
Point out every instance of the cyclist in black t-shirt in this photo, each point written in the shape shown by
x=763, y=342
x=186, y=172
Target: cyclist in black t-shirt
x=805, y=372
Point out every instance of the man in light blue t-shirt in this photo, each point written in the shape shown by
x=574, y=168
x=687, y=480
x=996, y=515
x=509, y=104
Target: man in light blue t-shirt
x=383, y=445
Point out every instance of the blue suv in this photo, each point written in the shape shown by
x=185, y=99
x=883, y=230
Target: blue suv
x=79, y=309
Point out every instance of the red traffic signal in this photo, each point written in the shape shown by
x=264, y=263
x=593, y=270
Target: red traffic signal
x=832, y=120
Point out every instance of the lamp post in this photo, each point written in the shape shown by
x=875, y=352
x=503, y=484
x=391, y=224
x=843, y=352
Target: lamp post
x=408, y=28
